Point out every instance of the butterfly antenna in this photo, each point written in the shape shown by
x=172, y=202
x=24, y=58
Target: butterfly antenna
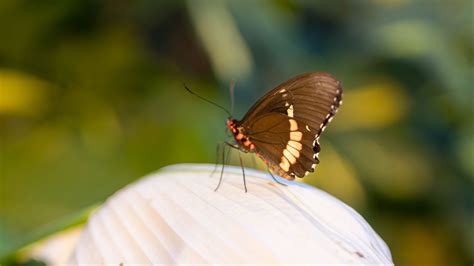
x=204, y=99
x=231, y=90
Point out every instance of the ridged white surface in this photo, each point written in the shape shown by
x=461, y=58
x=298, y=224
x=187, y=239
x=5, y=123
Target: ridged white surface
x=55, y=249
x=175, y=217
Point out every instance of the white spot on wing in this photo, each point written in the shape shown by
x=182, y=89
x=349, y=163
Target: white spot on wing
x=293, y=151
x=293, y=125
x=289, y=156
x=307, y=128
x=285, y=165
x=295, y=145
x=290, y=111
x=296, y=135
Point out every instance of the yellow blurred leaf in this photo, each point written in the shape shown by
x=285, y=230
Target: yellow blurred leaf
x=397, y=168
x=374, y=105
x=422, y=244
x=22, y=94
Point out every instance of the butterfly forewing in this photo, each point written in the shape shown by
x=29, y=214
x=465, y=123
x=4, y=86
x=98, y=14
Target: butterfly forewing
x=285, y=124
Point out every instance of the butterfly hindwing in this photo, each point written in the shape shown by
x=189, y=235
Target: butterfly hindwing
x=280, y=141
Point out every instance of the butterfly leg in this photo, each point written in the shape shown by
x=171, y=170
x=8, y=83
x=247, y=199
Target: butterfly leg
x=232, y=145
x=274, y=178
x=243, y=172
x=218, y=146
x=241, y=162
x=225, y=157
x=222, y=169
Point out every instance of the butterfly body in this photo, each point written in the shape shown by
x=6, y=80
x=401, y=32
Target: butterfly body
x=284, y=126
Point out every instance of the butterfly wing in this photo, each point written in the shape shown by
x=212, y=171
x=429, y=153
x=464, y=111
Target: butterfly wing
x=285, y=124
x=283, y=145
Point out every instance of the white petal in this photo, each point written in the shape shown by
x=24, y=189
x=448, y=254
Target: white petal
x=174, y=216
x=55, y=249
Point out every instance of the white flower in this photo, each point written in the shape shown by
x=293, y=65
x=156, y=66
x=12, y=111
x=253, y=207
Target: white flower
x=175, y=217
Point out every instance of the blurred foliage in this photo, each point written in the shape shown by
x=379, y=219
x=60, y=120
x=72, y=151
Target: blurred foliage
x=91, y=98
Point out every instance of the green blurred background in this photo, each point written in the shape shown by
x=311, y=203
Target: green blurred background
x=91, y=98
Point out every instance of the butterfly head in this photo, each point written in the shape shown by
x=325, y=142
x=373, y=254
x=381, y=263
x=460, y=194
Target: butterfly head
x=231, y=125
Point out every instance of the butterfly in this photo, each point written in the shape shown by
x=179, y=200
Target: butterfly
x=283, y=127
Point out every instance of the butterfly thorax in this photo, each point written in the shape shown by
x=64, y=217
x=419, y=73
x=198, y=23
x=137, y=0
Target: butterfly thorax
x=240, y=136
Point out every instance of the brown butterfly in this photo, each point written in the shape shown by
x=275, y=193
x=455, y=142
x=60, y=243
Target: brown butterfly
x=283, y=126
